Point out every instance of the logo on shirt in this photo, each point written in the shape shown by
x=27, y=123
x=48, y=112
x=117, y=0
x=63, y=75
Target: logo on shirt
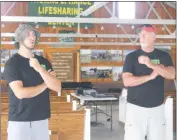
x=44, y=66
x=155, y=61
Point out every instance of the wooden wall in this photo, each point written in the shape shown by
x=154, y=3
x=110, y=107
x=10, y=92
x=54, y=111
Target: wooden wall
x=173, y=55
x=21, y=9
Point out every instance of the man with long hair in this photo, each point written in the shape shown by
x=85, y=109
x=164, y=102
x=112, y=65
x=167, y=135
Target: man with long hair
x=29, y=78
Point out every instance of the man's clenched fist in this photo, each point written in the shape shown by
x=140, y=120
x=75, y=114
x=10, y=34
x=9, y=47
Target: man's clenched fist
x=35, y=64
x=144, y=60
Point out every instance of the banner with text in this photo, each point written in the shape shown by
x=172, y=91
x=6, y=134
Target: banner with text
x=59, y=9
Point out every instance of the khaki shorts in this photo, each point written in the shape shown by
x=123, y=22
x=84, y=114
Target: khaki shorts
x=35, y=130
x=141, y=122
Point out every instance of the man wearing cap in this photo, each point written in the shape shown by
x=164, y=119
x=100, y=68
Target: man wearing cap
x=29, y=78
x=144, y=72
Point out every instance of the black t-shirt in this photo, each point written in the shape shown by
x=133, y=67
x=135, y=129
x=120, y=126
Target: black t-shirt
x=26, y=109
x=151, y=93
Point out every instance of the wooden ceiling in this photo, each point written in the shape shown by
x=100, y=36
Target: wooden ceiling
x=142, y=8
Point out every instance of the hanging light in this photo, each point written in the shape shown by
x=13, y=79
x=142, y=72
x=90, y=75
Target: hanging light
x=118, y=25
x=54, y=27
x=2, y=25
x=37, y=26
x=133, y=27
x=86, y=27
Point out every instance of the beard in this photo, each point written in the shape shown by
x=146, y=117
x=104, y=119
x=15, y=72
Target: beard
x=28, y=46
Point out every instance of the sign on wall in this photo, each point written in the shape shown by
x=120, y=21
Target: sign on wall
x=59, y=9
x=63, y=65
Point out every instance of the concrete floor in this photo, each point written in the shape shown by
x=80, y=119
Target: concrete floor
x=103, y=132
